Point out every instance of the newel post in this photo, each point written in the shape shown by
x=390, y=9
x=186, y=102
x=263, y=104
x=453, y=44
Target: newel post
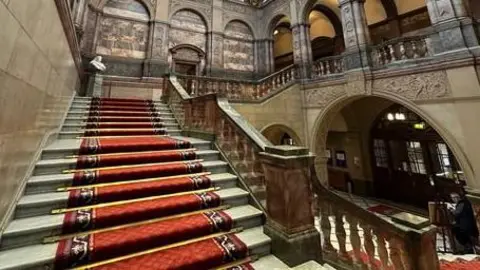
x=188, y=114
x=290, y=219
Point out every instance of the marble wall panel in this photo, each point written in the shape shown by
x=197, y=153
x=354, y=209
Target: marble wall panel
x=238, y=47
x=188, y=20
x=127, y=8
x=179, y=36
x=122, y=38
x=37, y=80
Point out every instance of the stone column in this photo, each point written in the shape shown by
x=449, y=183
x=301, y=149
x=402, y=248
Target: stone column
x=95, y=85
x=215, y=54
x=271, y=56
x=290, y=219
x=263, y=57
x=355, y=34
x=302, y=49
x=455, y=31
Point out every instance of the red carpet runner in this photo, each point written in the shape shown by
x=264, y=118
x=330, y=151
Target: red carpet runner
x=136, y=180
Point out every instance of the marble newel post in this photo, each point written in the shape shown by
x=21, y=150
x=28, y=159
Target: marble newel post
x=290, y=220
x=455, y=29
x=355, y=34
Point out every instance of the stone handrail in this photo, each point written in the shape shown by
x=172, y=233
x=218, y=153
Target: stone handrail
x=240, y=142
x=328, y=66
x=383, y=245
x=401, y=49
x=239, y=90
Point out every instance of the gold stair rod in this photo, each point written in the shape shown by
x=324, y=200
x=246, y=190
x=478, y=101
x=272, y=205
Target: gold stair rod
x=123, y=136
x=150, y=251
x=53, y=239
x=138, y=152
x=133, y=181
x=115, y=203
x=132, y=166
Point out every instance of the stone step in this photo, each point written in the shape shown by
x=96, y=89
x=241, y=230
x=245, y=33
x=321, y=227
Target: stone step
x=32, y=230
x=168, y=114
x=80, y=126
x=42, y=256
x=79, y=133
x=59, y=149
x=44, y=203
x=57, y=166
x=86, y=108
x=83, y=119
x=45, y=183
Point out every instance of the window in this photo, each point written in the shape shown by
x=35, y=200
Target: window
x=380, y=153
x=444, y=160
x=415, y=157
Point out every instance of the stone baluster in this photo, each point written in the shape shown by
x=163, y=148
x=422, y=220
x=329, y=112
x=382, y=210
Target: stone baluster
x=393, y=57
x=355, y=239
x=403, y=52
x=414, y=49
x=327, y=67
x=368, y=244
x=382, y=249
x=395, y=255
x=326, y=228
x=340, y=234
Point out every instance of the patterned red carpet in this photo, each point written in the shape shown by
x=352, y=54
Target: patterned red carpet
x=142, y=199
x=460, y=265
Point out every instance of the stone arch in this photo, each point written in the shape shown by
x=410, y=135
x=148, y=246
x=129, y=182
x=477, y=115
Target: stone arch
x=188, y=27
x=310, y=5
x=246, y=23
x=275, y=130
x=332, y=16
x=187, y=54
x=332, y=108
x=147, y=4
x=273, y=23
x=199, y=13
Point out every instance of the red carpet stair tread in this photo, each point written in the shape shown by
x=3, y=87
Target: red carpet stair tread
x=123, y=185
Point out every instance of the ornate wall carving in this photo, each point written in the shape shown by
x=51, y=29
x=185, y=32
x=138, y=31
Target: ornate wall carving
x=132, y=9
x=418, y=86
x=123, y=38
x=159, y=37
x=187, y=27
x=322, y=97
x=238, y=48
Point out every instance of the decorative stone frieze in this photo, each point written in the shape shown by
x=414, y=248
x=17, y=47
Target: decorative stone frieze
x=322, y=97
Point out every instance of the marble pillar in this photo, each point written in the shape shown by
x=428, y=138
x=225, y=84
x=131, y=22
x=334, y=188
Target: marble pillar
x=302, y=49
x=455, y=30
x=290, y=219
x=355, y=34
x=214, y=61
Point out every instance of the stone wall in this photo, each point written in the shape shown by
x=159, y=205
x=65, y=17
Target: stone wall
x=38, y=78
x=238, y=47
x=284, y=109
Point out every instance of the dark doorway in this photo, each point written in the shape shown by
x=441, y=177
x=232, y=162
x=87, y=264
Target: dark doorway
x=188, y=69
x=410, y=161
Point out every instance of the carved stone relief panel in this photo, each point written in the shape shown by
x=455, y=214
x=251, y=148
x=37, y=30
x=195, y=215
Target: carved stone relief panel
x=177, y=37
x=322, y=97
x=187, y=54
x=123, y=38
x=348, y=25
x=188, y=20
x=158, y=41
x=443, y=10
x=132, y=9
x=419, y=86
x=238, y=47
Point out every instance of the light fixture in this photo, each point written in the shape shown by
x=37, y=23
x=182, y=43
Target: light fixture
x=390, y=117
x=419, y=125
x=275, y=32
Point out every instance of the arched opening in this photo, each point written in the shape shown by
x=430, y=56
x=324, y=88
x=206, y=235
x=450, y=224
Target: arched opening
x=189, y=33
x=238, y=47
x=326, y=34
x=279, y=134
x=378, y=148
x=124, y=29
x=281, y=33
x=388, y=19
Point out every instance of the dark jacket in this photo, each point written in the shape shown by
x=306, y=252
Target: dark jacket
x=465, y=218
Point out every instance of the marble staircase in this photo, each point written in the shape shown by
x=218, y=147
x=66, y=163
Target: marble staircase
x=22, y=243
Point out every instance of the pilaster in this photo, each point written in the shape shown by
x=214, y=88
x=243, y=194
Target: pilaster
x=302, y=49
x=290, y=220
x=455, y=31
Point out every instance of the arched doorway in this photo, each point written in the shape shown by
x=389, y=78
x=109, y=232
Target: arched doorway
x=281, y=33
x=326, y=34
x=279, y=134
x=375, y=147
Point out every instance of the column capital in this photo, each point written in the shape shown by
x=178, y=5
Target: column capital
x=343, y=2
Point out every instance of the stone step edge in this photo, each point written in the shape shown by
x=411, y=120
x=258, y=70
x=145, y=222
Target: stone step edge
x=73, y=161
x=40, y=255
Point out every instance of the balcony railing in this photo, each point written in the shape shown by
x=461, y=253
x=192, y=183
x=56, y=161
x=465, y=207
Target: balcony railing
x=400, y=50
x=239, y=89
x=327, y=66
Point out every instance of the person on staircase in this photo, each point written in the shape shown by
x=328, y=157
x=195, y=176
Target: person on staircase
x=464, y=227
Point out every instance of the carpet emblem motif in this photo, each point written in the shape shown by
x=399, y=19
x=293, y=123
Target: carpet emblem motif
x=80, y=248
x=88, y=177
x=231, y=250
x=200, y=181
x=218, y=221
x=83, y=219
x=206, y=198
x=93, y=145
